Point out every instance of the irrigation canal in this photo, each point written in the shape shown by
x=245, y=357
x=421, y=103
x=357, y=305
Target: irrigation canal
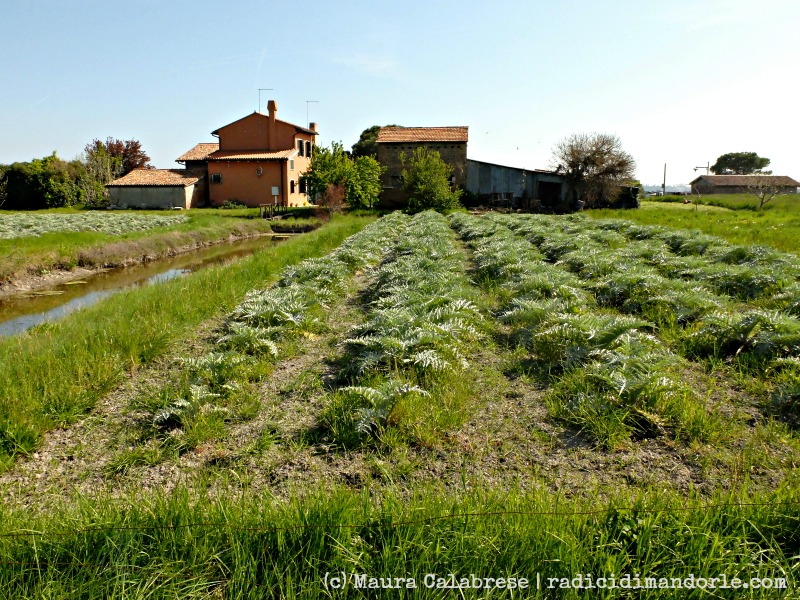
x=21, y=312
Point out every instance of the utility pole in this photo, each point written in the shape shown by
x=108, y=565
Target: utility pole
x=707, y=167
x=259, y=95
x=664, y=184
x=308, y=123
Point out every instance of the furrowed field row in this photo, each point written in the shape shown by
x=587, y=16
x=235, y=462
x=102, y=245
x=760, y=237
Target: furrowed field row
x=218, y=386
x=707, y=303
x=607, y=374
x=24, y=225
x=742, y=272
x=405, y=363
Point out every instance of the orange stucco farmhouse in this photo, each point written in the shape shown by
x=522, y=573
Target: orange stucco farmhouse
x=259, y=159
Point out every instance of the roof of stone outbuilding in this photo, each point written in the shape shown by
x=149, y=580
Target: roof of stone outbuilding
x=199, y=152
x=158, y=177
x=744, y=180
x=251, y=155
x=423, y=134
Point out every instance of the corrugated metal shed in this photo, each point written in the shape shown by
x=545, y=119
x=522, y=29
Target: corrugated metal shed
x=520, y=187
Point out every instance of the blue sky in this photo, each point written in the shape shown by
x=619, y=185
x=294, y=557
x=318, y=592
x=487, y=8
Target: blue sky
x=680, y=82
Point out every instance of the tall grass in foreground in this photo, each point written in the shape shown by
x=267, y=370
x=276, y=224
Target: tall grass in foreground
x=52, y=375
x=179, y=546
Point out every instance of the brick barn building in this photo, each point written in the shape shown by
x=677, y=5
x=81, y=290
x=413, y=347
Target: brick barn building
x=449, y=142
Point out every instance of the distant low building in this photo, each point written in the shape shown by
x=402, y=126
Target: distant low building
x=159, y=188
x=739, y=184
x=394, y=142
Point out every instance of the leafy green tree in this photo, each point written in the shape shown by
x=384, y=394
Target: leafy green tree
x=595, y=166
x=125, y=156
x=740, y=163
x=50, y=182
x=328, y=166
x=102, y=167
x=359, y=177
x=364, y=186
x=3, y=185
x=367, y=144
x=47, y=182
x=427, y=182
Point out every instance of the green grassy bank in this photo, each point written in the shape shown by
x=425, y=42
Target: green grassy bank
x=732, y=217
x=54, y=374
x=67, y=249
x=539, y=543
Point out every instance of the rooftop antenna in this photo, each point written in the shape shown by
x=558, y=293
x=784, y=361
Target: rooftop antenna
x=308, y=123
x=259, y=95
x=707, y=167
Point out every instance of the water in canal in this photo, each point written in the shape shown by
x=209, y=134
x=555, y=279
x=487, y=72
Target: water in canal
x=21, y=312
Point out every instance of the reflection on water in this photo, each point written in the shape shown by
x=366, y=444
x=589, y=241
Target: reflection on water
x=19, y=313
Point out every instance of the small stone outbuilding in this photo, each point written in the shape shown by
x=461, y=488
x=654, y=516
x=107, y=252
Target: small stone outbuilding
x=159, y=188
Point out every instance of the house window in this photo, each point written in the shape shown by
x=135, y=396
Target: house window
x=216, y=178
x=397, y=181
x=291, y=165
x=291, y=186
x=302, y=185
x=308, y=149
x=300, y=147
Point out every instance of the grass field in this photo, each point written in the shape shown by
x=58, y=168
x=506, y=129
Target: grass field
x=505, y=396
x=111, y=238
x=733, y=217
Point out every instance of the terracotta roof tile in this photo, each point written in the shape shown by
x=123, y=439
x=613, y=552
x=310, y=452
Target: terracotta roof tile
x=423, y=134
x=199, y=152
x=743, y=180
x=158, y=177
x=251, y=155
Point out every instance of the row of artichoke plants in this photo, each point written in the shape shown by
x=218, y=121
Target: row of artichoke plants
x=221, y=384
x=607, y=372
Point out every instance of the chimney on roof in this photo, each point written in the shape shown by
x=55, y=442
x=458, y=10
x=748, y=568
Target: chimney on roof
x=272, y=141
x=313, y=127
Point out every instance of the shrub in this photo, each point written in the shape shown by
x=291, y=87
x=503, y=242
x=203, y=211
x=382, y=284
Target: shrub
x=232, y=204
x=427, y=182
